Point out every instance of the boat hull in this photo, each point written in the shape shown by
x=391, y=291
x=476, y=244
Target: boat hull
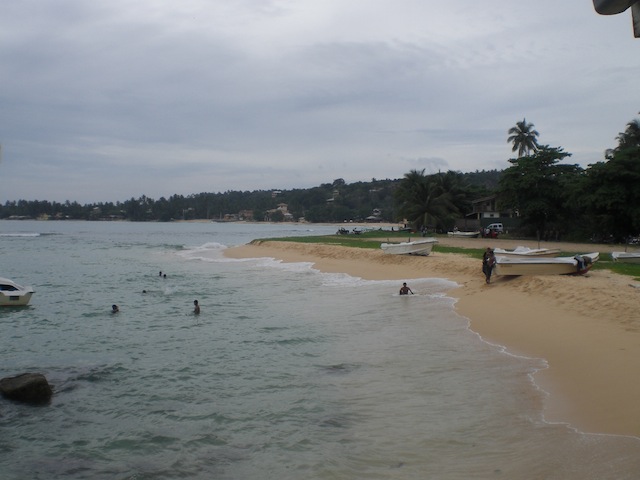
x=419, y=247
x=19, y=300
x=544, y=266
x=464, y=234
x=626, y=257
x=524, y=252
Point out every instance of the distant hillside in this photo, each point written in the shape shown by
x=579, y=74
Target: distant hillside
x=330, y=202
x=488, y=179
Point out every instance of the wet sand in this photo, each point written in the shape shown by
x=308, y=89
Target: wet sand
x=587, y=328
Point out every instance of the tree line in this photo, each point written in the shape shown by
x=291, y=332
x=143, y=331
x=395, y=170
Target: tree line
x=601, y=202
x=545, y=194
x=330, y=202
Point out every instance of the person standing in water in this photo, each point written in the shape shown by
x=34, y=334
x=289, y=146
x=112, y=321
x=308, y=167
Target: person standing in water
x=404, y=290
x=196, y=307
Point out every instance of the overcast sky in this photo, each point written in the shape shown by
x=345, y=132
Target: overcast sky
x=108, y=100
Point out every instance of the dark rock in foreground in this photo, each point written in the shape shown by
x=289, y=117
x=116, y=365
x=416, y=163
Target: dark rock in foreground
x=28, y=388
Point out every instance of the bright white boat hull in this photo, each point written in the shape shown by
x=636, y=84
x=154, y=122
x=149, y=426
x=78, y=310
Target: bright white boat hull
x=14, y=295
x=543, y=266
x=419, y=247
x=626, y=257
x=526, y=252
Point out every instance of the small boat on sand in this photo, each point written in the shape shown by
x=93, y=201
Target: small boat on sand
x=578, y=264
x=12, y=294
x=419, y=247
x=527, y=252
x=626, y=257
x=457, y=233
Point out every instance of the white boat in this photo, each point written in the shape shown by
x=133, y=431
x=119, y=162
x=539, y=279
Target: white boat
x=457, y=233
x=527, y=252
x=545, y=265
x=419, y=247
x=626, y=257
x=12, y=294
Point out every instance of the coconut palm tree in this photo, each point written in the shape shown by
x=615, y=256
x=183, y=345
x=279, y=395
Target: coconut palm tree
x=426, y=199
x=523, y=137
x=631, y=136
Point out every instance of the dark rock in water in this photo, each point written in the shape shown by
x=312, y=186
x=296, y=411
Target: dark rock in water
x=28, y=387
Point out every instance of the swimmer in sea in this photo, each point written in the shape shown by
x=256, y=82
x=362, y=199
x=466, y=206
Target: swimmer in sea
x=404, y=290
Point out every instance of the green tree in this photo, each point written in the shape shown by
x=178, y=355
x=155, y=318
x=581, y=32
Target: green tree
x=523, y=137
x=630, y=138
x=610, y=191
x=536, y=187
x=428, y=200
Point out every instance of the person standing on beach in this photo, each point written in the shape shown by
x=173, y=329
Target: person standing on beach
x=404, y=290
x=488, y=262
x=196, y=307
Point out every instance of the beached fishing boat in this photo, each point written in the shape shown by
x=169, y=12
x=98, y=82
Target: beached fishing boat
x=578, y=264
x=457, y=233
x=419, y=247
x=626, y=257
x=12, y=294
x=527, y=252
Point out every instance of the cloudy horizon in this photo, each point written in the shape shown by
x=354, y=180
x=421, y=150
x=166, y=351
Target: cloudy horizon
x=104, y=101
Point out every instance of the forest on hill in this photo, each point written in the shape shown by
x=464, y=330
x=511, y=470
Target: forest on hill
x=539, y=188
x=337, y=201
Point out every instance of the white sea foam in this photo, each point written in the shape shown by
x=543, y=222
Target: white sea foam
x=17, y=234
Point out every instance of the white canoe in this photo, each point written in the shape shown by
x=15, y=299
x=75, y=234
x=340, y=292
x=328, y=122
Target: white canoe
x=545, y=265
x=419, y=247
x=527, y=252
x=626, y=257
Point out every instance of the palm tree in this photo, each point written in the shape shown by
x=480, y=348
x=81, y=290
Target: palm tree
x=631, y=136
x=426, y=200
x=523, y=137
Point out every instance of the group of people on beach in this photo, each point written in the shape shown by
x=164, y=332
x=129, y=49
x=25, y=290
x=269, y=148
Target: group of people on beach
x=196, y=305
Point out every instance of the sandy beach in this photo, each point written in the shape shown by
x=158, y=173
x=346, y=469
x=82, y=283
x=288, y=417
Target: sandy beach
x=587, y=328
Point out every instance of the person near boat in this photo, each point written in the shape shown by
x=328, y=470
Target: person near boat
x=488, y=263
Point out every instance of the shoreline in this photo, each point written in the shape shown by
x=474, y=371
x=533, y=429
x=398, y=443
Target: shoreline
x=582, y=326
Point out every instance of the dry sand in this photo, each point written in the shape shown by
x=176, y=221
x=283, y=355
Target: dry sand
x=587, y=328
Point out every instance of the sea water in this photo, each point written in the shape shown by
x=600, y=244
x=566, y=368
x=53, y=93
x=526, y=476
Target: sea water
x=287, y=373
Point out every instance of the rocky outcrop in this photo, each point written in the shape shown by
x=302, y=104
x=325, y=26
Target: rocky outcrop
x=28, y=388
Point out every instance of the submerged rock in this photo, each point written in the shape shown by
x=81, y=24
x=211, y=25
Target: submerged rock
x=28, y=388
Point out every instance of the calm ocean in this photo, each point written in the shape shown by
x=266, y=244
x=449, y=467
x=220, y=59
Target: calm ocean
x=287, y=373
